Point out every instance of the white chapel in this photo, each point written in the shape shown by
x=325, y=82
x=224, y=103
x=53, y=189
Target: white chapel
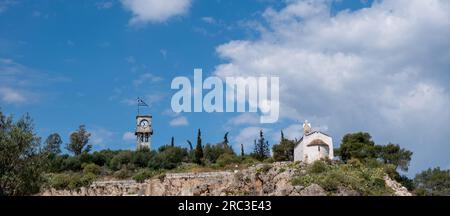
x=314, y=145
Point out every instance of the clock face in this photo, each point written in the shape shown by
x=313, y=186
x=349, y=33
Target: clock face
x=144, y=123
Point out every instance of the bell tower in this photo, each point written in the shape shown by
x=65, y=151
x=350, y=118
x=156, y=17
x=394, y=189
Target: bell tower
x=144, y=130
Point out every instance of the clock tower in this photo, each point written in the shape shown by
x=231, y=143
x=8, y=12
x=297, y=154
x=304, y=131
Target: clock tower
x=144, y=131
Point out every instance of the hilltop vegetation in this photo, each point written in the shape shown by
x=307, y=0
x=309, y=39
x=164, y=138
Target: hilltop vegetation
x=27, y=165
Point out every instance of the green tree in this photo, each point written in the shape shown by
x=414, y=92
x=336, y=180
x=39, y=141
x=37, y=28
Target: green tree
x=213, y=152
x=393, y=154
x=172, y=142
x=433, y=182
x=360, y=146
x=79, y=141
x=357, y=145
x=284, y=151
x=21, y=165
x=261, y=150
x=168, y=157
x=242, y=150
x=53, y=144
x=199, y=149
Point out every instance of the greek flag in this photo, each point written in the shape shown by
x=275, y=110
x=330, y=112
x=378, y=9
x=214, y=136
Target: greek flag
x=141, y=102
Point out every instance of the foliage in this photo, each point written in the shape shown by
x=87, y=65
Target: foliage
x=168, y=157
x=261, y=150
x=226, y=159
x=198, y=149
x=21, y=164
x=360, y=146
x=357, y=145
x=123, y=173
x=433, y=182
x=354, y=175
x=284, y=151
x=92, y=168
x=53, y=144
x=71, y=180
x=144, y=174
x=120, y=159
x=213, y=152
x=141, y=157
x=79, y=141
x=393, y=154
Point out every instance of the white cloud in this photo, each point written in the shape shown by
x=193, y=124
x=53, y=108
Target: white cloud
x=155, y=11
x=101, y=137
x=244, y=119
x=147, y=77
x=22, y=85
x=179, y=121
x=382, y=69
x=11, y=96
x=209, y=20
x=247, y=136
x=128, y=136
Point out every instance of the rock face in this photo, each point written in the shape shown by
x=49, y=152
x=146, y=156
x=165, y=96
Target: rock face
x=399, y=190
x=259, y=180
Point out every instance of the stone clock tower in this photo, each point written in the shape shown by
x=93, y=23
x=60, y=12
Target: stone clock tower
x=144, y=131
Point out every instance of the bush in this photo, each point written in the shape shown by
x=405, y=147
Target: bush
x=168, y=157
x=144, y=174
x=140, y=158
x=227, y=159
x=72, y=163
x=122, y=158
x=213, y=152
x=71, y=180
x=92, y=168
x=123, y=173
x=355, y=176
x=318, y=167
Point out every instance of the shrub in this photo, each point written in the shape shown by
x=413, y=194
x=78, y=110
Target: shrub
x=92, y=168
x=168, y=157
x=123, y=173
x=140, y=158
x=318, y=167
x=144, y=174
x=354, y=176
x=72, y=163
x=122, y=158
x=71, y=180
x=226, y=159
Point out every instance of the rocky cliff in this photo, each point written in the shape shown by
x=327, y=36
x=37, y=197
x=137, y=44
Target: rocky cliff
x=259, y=180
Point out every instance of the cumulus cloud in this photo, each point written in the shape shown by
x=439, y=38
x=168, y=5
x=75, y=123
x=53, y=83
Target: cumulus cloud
x=382, y=69
x=179, y=121
x=101, y=137
x=128, y=136
x=247, y=137
x=20, y=84
x=244, y=119
x=155, y=11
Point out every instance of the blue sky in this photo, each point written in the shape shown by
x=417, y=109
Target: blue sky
x=84, y=62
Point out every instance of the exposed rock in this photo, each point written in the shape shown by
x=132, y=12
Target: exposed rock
x=399, y=190
x=259, y=180
x=313, y=190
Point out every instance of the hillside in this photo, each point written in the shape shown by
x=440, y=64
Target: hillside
x=269, y=179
